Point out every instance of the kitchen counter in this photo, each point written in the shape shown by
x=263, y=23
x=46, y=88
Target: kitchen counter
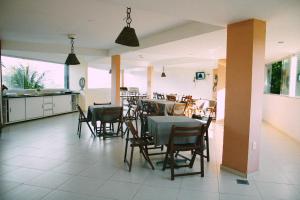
x=19, y=107
x=38, y=95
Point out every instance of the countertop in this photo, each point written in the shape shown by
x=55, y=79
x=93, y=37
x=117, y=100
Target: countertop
x=38, y=95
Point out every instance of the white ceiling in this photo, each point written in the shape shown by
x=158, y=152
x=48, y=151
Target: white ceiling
x=98, y=22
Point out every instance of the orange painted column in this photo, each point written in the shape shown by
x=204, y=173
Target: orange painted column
x=115, y=79
x=244, y=95
x=150, y=71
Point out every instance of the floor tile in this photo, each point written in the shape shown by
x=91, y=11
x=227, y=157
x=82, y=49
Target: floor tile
x=21, y=175
x=82, y=185
x=194, y=194
x=49, y=180
x=62, y=195
x=150, y=193
x=118, y=190
x=7, y=185
x=238, y=197
x=71, y=168
x=25, y=192
x=278, y=191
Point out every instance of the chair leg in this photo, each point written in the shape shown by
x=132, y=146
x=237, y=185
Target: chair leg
x=165, y=161
x=79, y=133
x=145, y=154
x=103, y=127
x=78, y=127
x=191, y=164
x=207, y=146
x=172, y=165
x=202, y=164
x=131, y=156
x=126, y=147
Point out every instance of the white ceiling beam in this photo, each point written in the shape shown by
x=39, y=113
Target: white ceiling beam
x=187, y=30
x=50, y=48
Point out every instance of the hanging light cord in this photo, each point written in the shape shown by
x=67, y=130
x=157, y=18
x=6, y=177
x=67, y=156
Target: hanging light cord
x=72, y=45
x=128, y=18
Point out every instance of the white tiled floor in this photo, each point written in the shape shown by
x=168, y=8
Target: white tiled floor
x=44, y=159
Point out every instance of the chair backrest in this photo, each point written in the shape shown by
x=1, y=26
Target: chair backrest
x=179, y=109
x=131, y=128
x=196, y=134
x=207, y=119
x=144, y=123
x=81, y=113
x=97, y=104
x=171, y=97
x=111, y=115
x=160, y=96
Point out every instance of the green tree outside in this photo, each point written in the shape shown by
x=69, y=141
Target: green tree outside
x=22, y=77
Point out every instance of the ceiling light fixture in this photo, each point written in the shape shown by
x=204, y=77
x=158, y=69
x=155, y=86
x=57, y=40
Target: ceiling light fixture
x=163, y=74
x=127, y=36
x=72, y=59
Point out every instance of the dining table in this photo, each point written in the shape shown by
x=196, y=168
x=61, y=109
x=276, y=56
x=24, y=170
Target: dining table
x=160, y=127
x=95, y=112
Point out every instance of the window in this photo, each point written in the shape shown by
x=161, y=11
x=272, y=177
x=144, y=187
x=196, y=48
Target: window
x=20, y=73
x=276, y=77
x=283, y=77
x=298, y=76
x=98, y=78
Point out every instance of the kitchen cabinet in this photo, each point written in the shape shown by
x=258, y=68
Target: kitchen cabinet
x=16, y=109
x=48, y=106
x=34, y=107
x=62, y=104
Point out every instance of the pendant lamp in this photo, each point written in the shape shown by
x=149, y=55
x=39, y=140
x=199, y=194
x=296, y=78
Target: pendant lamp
x=163, y=74
x=72, y=59
x=128, y=36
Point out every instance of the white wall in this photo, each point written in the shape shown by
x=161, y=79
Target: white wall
x=283, y=113
x=180, y=81
x=136, y=79
x=101, y=95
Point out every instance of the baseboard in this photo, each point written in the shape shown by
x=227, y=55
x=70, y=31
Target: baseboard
x=234, y=171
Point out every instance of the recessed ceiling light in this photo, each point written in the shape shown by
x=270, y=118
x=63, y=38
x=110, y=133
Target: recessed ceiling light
x=280, y=42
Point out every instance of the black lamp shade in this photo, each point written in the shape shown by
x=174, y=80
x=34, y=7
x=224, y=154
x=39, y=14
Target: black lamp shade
x=163, y=74
x=128, y=37
x=72, y=59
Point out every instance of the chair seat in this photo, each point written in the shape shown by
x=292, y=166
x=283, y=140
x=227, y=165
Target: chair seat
x=138, y=141
x=185, y=147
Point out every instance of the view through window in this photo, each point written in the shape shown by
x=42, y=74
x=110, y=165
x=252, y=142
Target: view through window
x=283, y=77
x=21, y=73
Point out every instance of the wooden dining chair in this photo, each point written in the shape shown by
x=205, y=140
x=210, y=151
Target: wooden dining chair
x=135, y=141
x=195, y=144
x=146, y=135
x=207, y=121
x=100, y=104
x=160, y=96
x=171, y=97
x=111, y=116
x=83, y=119
x=178, y=109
